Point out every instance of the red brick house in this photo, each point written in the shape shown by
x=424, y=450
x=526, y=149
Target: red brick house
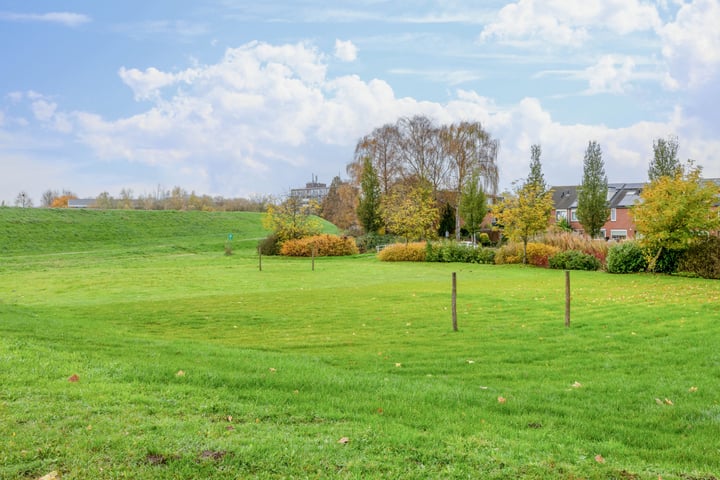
x=621, y=197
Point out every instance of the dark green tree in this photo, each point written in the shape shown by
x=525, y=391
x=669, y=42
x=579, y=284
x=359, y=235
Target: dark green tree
x=368, y=211
x=593, y=210
x=665, y=161
x=447, y=221
x=473, y=204
x=536, y=176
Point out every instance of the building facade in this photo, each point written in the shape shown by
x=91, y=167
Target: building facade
x=621, y=197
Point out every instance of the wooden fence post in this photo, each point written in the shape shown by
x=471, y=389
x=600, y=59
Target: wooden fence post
x=567, y=298
x=454, y=302
x=259, y=257
x=313, y=257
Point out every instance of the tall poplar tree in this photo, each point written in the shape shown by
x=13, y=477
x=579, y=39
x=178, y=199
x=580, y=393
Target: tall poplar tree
x=665, y=161
x=592, y=209
x=526, y=213
x=369, y=207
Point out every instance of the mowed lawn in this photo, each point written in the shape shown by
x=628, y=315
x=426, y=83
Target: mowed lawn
x=193, y=364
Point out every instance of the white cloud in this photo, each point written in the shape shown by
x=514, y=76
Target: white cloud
x=264, y=116
x=345, y=50
x=68, y=19
x=691, y=44
x=563, y=23
x=611, y=74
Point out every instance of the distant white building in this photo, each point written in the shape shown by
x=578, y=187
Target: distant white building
x=312, y=191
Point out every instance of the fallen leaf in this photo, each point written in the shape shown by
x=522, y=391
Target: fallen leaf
x=693, y=389
x=398, y=364
x=658, y=401
x=229, y=418
x=229, y=427
x=180, y=373
x=273, y=370
x=380, y=411
x=599, y=459
x=668, y=402
x=73, y=378
x=344, y=440
x=50, y=476
x=577, y=385
x=471, y=361
x=502, y=400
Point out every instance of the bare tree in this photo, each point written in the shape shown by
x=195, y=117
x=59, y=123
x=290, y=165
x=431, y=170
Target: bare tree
x=421, y=150
x=23, y=200
x=382, y=147
x=470, y=151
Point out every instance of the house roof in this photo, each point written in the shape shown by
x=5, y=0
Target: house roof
x=564, y=197
x=620, y=195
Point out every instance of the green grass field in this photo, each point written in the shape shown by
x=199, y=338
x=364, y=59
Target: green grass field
x=194, y=364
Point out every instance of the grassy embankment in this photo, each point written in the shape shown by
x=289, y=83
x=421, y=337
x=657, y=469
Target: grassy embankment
x=193, y=364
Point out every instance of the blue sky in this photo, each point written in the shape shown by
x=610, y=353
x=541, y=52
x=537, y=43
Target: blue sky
x=241, y=98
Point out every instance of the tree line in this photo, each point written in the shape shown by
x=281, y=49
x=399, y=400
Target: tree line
x=176, y=198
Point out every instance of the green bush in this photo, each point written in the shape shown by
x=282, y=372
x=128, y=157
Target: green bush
x=702, y=259
x=668, y=260
x=574, y=260
x=484, y=239
x=270, y=245
x=454, y=252
x=626, y=257
x=370, y=241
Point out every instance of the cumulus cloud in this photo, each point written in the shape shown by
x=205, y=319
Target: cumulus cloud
x=345, y=50
x=264, y=116
x=691, y=44
x=611, y=74
x=68, y=19
x=562, y=23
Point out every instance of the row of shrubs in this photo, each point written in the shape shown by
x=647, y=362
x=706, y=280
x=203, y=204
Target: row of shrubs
x=564, y=251
x=568, y=252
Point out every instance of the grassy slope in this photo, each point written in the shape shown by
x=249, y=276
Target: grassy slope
x=357, y=348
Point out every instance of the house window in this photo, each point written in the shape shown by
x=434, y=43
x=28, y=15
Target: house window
x=603, y=233
x=613, y=214
x=561, y=215
x=618, y=234
x=573, y=215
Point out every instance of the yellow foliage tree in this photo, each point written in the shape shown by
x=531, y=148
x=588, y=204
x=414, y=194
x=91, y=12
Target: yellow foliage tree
x=410, y=211
x=292, y=219
x=524, y=214
x=675, y=211
x=62, y=201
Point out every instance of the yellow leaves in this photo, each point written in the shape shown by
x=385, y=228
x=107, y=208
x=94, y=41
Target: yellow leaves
x=180, y=373
x=50, y=476
x=693, y=389
x=344, y=441
x=501, y=400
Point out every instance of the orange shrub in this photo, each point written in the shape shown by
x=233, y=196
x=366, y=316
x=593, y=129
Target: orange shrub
x=538, y=254
x=400, y=252
x=325, y=246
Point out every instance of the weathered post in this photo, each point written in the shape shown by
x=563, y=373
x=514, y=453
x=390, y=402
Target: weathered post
x=259, y=257
x=567, y=298
x=313, y=257
x=454, y=302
